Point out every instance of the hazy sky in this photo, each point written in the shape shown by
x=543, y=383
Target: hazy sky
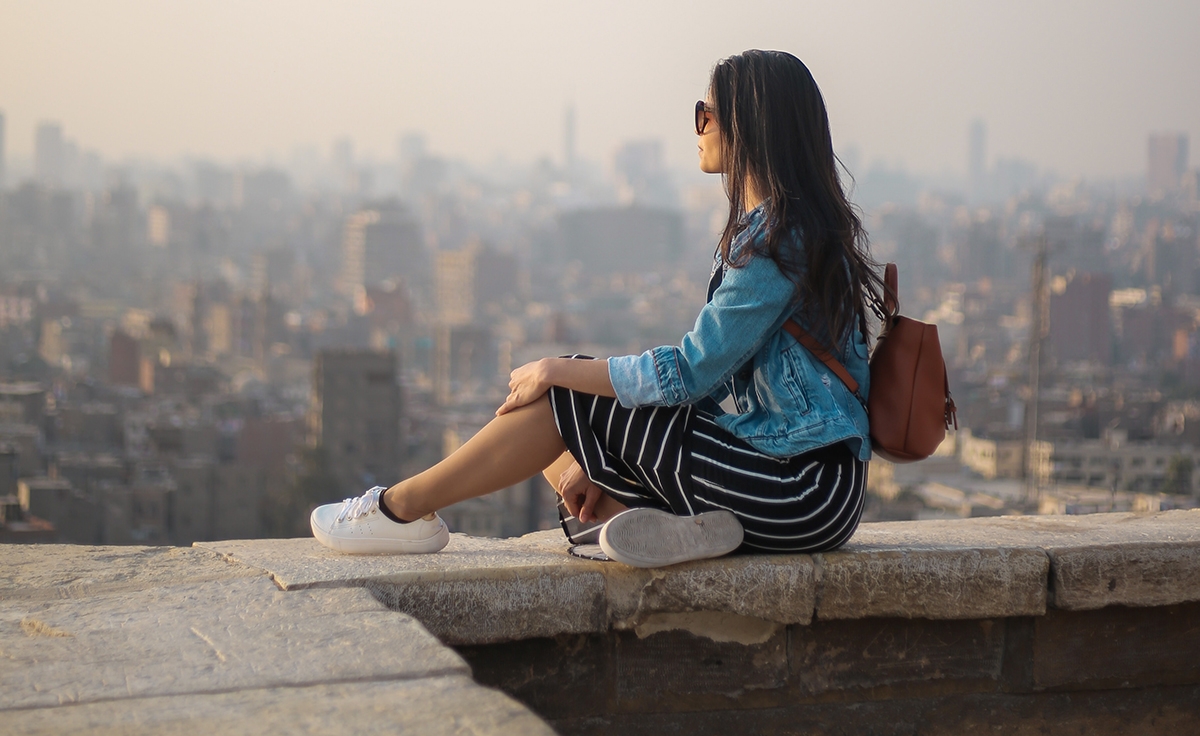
x=1075, y=86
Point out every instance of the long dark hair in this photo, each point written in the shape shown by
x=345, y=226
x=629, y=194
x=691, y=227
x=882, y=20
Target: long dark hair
x=775, y=138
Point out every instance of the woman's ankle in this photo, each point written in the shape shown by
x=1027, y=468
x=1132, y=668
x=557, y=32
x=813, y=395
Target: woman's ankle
x=391, y=503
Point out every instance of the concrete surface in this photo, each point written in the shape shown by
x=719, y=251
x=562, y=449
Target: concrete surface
x=159, y=640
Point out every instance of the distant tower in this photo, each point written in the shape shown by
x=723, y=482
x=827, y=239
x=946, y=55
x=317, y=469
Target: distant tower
x=2, y=149
x=49, y=153
x=1167, y=162
x=977, y=156
x=569, y=140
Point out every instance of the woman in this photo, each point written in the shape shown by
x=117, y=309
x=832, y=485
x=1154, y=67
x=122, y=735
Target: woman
x=737, y=437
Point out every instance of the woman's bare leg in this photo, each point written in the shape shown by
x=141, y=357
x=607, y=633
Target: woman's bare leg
x=554, y=470
x=512, y=447
x=606, y=507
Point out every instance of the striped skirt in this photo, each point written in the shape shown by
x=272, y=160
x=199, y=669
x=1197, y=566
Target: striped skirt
x=679, y=460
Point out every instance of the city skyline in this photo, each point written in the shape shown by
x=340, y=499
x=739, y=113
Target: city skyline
x=1075, y=88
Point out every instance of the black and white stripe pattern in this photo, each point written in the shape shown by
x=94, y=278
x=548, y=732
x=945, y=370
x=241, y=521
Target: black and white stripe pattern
x=679, y=460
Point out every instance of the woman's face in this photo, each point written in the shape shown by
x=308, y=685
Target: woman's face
x=710, y=143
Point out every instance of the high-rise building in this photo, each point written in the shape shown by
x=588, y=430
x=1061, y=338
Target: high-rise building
x=455, y=287
x=2, y=150
x=381, y=243
x=1080, y=318
x=1166, y=162
x=49, y=155
x=355, y=416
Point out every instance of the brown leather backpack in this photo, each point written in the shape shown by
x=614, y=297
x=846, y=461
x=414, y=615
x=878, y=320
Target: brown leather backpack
x=909, y=407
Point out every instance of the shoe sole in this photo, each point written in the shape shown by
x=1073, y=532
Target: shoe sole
x=652, y=538
x=384, y=546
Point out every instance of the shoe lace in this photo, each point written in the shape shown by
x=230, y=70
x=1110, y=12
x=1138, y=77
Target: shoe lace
x=354, y=508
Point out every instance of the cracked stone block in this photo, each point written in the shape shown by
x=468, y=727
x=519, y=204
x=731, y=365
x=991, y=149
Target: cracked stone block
x=214, y=636
x=488, y=590
x=305, y=563
x=520, y=604
x=925, y=582
x=778, y=588
x=1096, y=560
x=442, y=705
x=1125, y=574
x=870, y=653
x=56, y=571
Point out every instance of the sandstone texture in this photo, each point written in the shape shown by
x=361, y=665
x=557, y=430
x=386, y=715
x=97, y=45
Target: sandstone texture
x=55, y=571
x=1096, y=560
x=908, y=619
x=212, y=636
x=144, y=640
x=295, y=564
x=873, y=581
x=487, y=590
x=441, y=705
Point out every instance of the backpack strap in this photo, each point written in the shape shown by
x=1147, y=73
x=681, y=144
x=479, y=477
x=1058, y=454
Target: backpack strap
x=816, y=348
x=886, y=309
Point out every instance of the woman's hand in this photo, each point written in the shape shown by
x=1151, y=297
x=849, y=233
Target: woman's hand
x=578, y=493
x=526, y=385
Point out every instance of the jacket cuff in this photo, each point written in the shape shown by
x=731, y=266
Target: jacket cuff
x=635, y=380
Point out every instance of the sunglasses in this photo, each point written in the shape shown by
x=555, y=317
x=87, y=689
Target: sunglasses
x=703, y=113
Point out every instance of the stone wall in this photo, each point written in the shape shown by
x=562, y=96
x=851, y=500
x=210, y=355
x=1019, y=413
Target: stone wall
x=998, y=625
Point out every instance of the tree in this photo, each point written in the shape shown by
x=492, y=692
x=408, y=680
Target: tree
x=1178, y=479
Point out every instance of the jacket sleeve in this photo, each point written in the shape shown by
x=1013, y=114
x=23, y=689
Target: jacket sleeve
x=749, y=306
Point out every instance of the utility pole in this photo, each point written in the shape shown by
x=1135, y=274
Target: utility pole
x=1039, y=328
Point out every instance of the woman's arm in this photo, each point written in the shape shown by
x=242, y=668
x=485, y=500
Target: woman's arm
x=749, y=306
x=530, y=381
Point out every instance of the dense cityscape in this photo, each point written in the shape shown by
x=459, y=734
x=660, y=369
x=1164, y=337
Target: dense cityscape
x=199, y=350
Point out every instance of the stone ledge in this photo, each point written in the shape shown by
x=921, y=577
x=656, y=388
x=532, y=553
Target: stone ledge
x=482, y=591
x=80, y=571
x=154, y=640
x=452, y=704
x=1096, y=560
x=143, y=639
x=479, y=591
x=206, y=638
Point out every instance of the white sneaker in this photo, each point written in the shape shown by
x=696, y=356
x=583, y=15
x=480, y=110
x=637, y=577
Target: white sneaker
x=357, y=526
x=653, y=538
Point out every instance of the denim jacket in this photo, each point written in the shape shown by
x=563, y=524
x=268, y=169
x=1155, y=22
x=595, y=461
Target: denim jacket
x=786, y=400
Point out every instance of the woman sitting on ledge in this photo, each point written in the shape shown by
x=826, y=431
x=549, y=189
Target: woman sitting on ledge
x=736, y=438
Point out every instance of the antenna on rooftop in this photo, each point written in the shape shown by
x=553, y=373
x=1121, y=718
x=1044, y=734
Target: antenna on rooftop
x=1039, y=328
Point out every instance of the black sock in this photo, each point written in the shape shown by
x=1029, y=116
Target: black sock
x=388, y=512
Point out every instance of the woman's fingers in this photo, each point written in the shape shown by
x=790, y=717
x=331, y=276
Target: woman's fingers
x=525, y=386
x=587, y=512
x=573, y=485
x=579, y=493
x=516, y=399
